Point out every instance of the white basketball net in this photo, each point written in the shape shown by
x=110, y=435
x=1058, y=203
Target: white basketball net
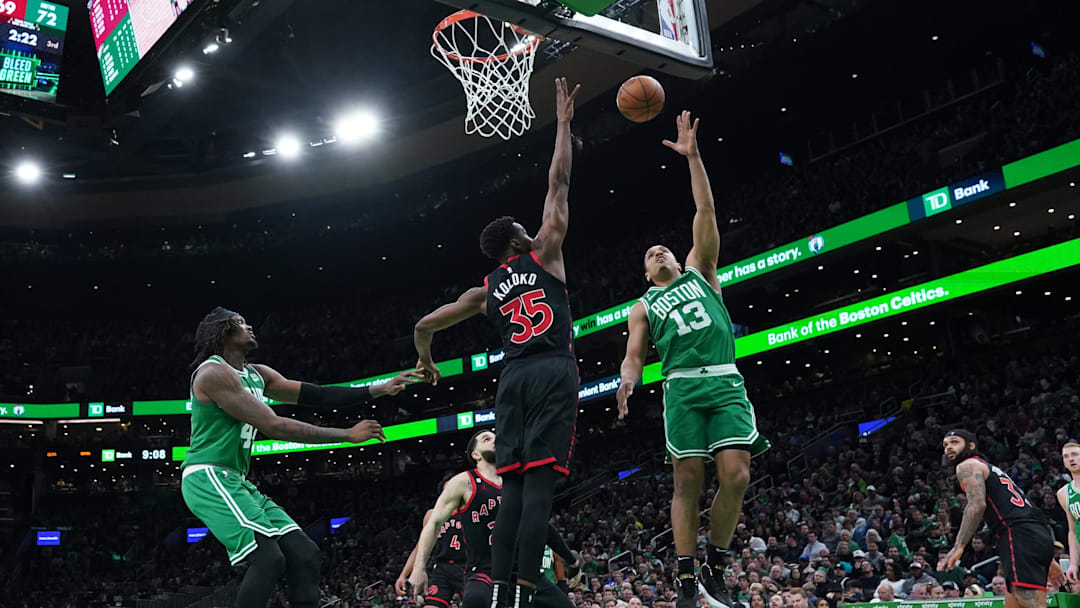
x=493, y=61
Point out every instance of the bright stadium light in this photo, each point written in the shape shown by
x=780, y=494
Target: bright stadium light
x=358, y=126
x=288, y=146
x=27, y=172
x=184, y=74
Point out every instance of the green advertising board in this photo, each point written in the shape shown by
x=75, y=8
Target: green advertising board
x=938, y=201
x=1053, y=600
x=36, y=411
x=273, y=447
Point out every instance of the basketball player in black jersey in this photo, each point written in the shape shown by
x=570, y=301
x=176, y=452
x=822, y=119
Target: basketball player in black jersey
x=536, y=404
x=473, y=498
x=447, y=563
x=1024, y=539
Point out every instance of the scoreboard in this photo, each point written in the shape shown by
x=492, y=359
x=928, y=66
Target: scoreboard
x=125, y=31
x=31, y=48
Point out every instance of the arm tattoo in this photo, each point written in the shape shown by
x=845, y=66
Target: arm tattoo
x=294, y=430
x=974, y=486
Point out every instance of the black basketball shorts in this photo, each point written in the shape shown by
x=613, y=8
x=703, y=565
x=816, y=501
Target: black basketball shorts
x=536, y=413
x=444, y=581
x=1026, y=551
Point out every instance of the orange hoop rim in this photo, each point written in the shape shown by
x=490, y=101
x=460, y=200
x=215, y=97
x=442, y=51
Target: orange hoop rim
x=467, y=14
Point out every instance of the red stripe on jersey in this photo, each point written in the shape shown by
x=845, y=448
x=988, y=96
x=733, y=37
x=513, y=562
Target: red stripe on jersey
x=536, y=259
x=1029, y=586
x=429, y=598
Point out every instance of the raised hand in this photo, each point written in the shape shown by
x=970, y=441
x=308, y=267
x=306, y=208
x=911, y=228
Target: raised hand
x=687, y=141
x=365, y=430
x=564, y=101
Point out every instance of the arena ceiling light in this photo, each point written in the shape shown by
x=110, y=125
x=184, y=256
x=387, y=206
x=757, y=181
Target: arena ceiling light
x=27, y=172
x=288, y=146
x=183, y=75
x=356, y=127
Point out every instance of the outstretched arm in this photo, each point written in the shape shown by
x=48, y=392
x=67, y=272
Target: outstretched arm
x=706, y=250
x=471, y=303
x=453, y=496
x=637, y=346
x=282, y=389
x=972, y=477
x=406, y=571
x=220, y=386
x=549, y=239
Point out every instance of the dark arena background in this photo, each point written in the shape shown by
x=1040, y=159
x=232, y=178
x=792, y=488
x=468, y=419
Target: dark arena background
x=895, y=186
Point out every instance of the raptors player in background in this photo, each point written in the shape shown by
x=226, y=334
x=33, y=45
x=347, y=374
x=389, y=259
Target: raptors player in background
x=473, y=498
x=1021, y=530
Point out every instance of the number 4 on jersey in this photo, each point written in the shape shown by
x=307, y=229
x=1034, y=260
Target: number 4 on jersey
x=533, y=305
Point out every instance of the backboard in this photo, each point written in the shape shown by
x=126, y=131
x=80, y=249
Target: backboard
x=670, y=36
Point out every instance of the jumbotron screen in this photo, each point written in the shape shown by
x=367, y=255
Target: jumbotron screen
x=31, y=48
x=126, y=30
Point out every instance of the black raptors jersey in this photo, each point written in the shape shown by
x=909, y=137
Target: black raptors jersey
x=1006, y=503
x=530, y=308
x=449, y=545
x=478, y=519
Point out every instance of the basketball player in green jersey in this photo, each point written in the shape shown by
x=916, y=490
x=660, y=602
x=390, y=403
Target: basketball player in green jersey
x=227, y=409
x=707, y=415
x=1069, y=499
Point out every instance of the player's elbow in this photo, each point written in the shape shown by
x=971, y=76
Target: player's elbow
x=425, y=325
x=977, y=506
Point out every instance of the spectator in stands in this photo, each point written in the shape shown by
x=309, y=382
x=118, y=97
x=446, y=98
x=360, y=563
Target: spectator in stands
x=884, y=593
x=998, y=586
x=952, y=590
x=937, y=592
x=977, y=553
x=920, y=592
x=813, y=547
x=894, y=579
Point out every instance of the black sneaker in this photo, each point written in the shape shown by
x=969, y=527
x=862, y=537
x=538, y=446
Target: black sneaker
x=712, y=585
x=687, y=592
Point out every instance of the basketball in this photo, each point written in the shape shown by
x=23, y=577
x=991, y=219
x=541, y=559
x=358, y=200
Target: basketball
x=640, y=98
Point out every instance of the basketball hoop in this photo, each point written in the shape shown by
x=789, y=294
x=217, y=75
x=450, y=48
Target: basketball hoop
x=493, y=61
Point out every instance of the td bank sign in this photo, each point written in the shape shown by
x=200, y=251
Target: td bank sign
x=956, y=194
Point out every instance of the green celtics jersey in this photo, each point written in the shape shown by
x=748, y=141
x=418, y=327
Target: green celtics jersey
x=1072, y=498
x=216, y=437
x=689, y=323
x=547, y=564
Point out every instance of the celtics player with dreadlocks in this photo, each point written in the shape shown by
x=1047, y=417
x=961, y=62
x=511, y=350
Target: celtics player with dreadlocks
x=228, y=407
x=707, y=415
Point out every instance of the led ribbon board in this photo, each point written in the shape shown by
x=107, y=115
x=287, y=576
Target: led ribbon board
x=36, y=411
x=1021, y=172
x=32, y=36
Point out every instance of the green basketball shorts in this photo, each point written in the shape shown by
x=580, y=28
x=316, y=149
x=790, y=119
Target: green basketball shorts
x=232, y=508
x=706, y=409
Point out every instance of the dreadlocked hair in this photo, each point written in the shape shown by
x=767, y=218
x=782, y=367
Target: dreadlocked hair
x=210, y=336
x=496, y=237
